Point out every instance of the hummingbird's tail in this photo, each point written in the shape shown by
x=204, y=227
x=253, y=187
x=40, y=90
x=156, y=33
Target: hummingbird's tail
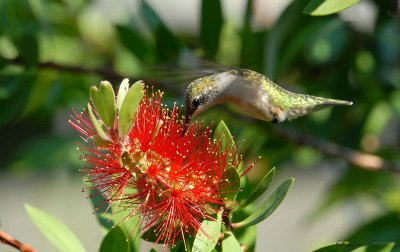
x=336, y=102
x=305, y=104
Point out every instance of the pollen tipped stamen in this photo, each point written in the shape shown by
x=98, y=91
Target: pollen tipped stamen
x=163, y=171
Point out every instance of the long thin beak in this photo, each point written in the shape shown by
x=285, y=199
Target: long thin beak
x=186, y=124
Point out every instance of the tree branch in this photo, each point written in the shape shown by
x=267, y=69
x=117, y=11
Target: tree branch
x=105, y=72
x=9, y=240
x=357, y=158
x=354, y=157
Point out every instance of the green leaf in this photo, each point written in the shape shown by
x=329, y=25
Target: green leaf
x=167, y=45
x=152, y=250
x=268, y=207
x=115, y=240
x=326, y=7
x=229, y=243
x=378, y=118
x=122, y=92
x=102, y=210
x=28, y=48
x=152, y=235
x=207, y=236
x=103, y=100
x=127, y=222
x=211, y=26
x=346, y=246
x=151, y=17
x=230, y=184
x=97, y=124
x=260, y=189
x=15, y=90
x=57, y=233
x=222, y=132
x=133, y=41
x=129, y=108
x=377, y=248
x=247, y=236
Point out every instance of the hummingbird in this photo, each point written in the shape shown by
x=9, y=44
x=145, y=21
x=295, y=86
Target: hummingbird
x=254, y=94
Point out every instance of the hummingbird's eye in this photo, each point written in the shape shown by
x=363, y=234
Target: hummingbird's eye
x=195, y=102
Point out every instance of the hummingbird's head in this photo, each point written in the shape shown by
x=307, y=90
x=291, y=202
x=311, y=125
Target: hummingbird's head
x=199, y=95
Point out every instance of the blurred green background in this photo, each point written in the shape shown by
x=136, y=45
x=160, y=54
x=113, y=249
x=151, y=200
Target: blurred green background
x=52, y=51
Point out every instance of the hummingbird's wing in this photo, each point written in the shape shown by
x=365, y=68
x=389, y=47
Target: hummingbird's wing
x=183, y=71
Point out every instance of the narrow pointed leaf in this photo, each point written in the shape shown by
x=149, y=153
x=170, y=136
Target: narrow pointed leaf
x=97, y=124
x=260, y=189
x=206, y=243
x=388, y=247
x=102, y=211
x=326, y=7
x=211, y=26
x=152, y=235
x=122, y=91
x=347, y=246
x=103, y=100
x=230, y=184
x=268, y=207
x=55, y=231
x=127, y=222
x=166, y=43
x=115, y=241
x=222, y=132
x=151, y=17
x=247, y=236
x=28, y=48
x=132, y=40
x=129, y=107
x=229, y=243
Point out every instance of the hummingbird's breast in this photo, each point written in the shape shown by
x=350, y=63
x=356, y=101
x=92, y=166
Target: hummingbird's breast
x=245, y=89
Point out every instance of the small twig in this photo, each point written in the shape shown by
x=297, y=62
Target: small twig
x=105, y=72
x=9, y=240
x=359, y=159
x=354, y=157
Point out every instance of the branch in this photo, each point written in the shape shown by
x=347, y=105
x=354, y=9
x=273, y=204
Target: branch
x=9, y=240
x=105, y=72
x=360, y=159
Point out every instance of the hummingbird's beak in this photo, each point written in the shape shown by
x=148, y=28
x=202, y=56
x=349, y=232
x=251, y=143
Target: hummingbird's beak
x=188, y=115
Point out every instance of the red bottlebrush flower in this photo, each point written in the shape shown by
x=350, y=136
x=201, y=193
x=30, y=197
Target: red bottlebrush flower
x=175, y=178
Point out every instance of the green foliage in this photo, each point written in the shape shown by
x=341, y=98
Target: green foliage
x=259, y=190
x=211, y=26
x=222, y=132
x=48, y=62
x=103, y=100
x=230, y=184
x=129, y=108
x=326, y=7
x=230, y=243
x=55, y=231
x=346, y=246
x=115, y=241
x=167, y=45
x=268, y=206
x=206, y=243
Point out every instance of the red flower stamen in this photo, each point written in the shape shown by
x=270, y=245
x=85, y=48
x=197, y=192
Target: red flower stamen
x=175, y=177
